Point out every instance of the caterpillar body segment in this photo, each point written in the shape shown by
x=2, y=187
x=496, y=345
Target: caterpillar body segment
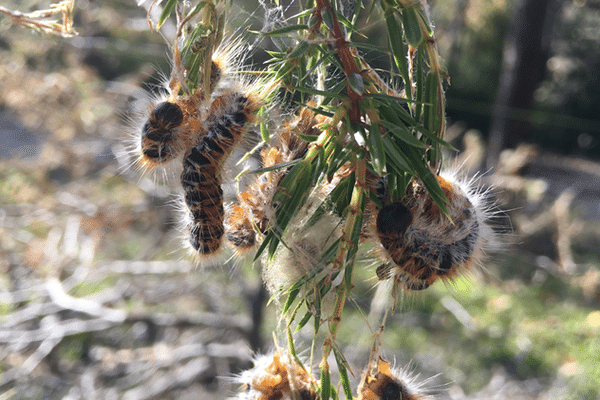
x=159, y=133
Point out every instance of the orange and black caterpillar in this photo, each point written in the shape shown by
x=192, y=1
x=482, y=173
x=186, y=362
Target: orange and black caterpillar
x=254, y=207
x=421, y=244
x=201, y=178
x=174, y=121
x=386, y=384
x=278, y=376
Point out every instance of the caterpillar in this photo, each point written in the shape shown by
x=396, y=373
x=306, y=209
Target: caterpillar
x=385, y=383
x=160, y=133
x=309, y=233
x=175, y=120
x=254, y=207
x=420, y=244
x=165, y=125
x=198, y=125
x=201, y=175
x=278, y=376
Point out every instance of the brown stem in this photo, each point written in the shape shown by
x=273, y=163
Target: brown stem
x=343, y=52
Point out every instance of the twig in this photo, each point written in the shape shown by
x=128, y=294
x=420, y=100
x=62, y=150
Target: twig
x=62, y=299
x=323, y=7
x=240, y=323
x=565, y=229
x=34, y=19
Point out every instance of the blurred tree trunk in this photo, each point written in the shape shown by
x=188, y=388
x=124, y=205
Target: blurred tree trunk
x=524, y=57
x=457, y=25
x=256, y=300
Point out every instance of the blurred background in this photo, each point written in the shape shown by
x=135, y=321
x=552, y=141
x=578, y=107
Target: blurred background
x=98, y=301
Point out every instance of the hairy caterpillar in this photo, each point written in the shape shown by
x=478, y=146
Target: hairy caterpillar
x=172, y=123
x=276, y=377
x=200, y=178
x=185, y=123
x=419, y=244
x=254, y=207
x=390, y=384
